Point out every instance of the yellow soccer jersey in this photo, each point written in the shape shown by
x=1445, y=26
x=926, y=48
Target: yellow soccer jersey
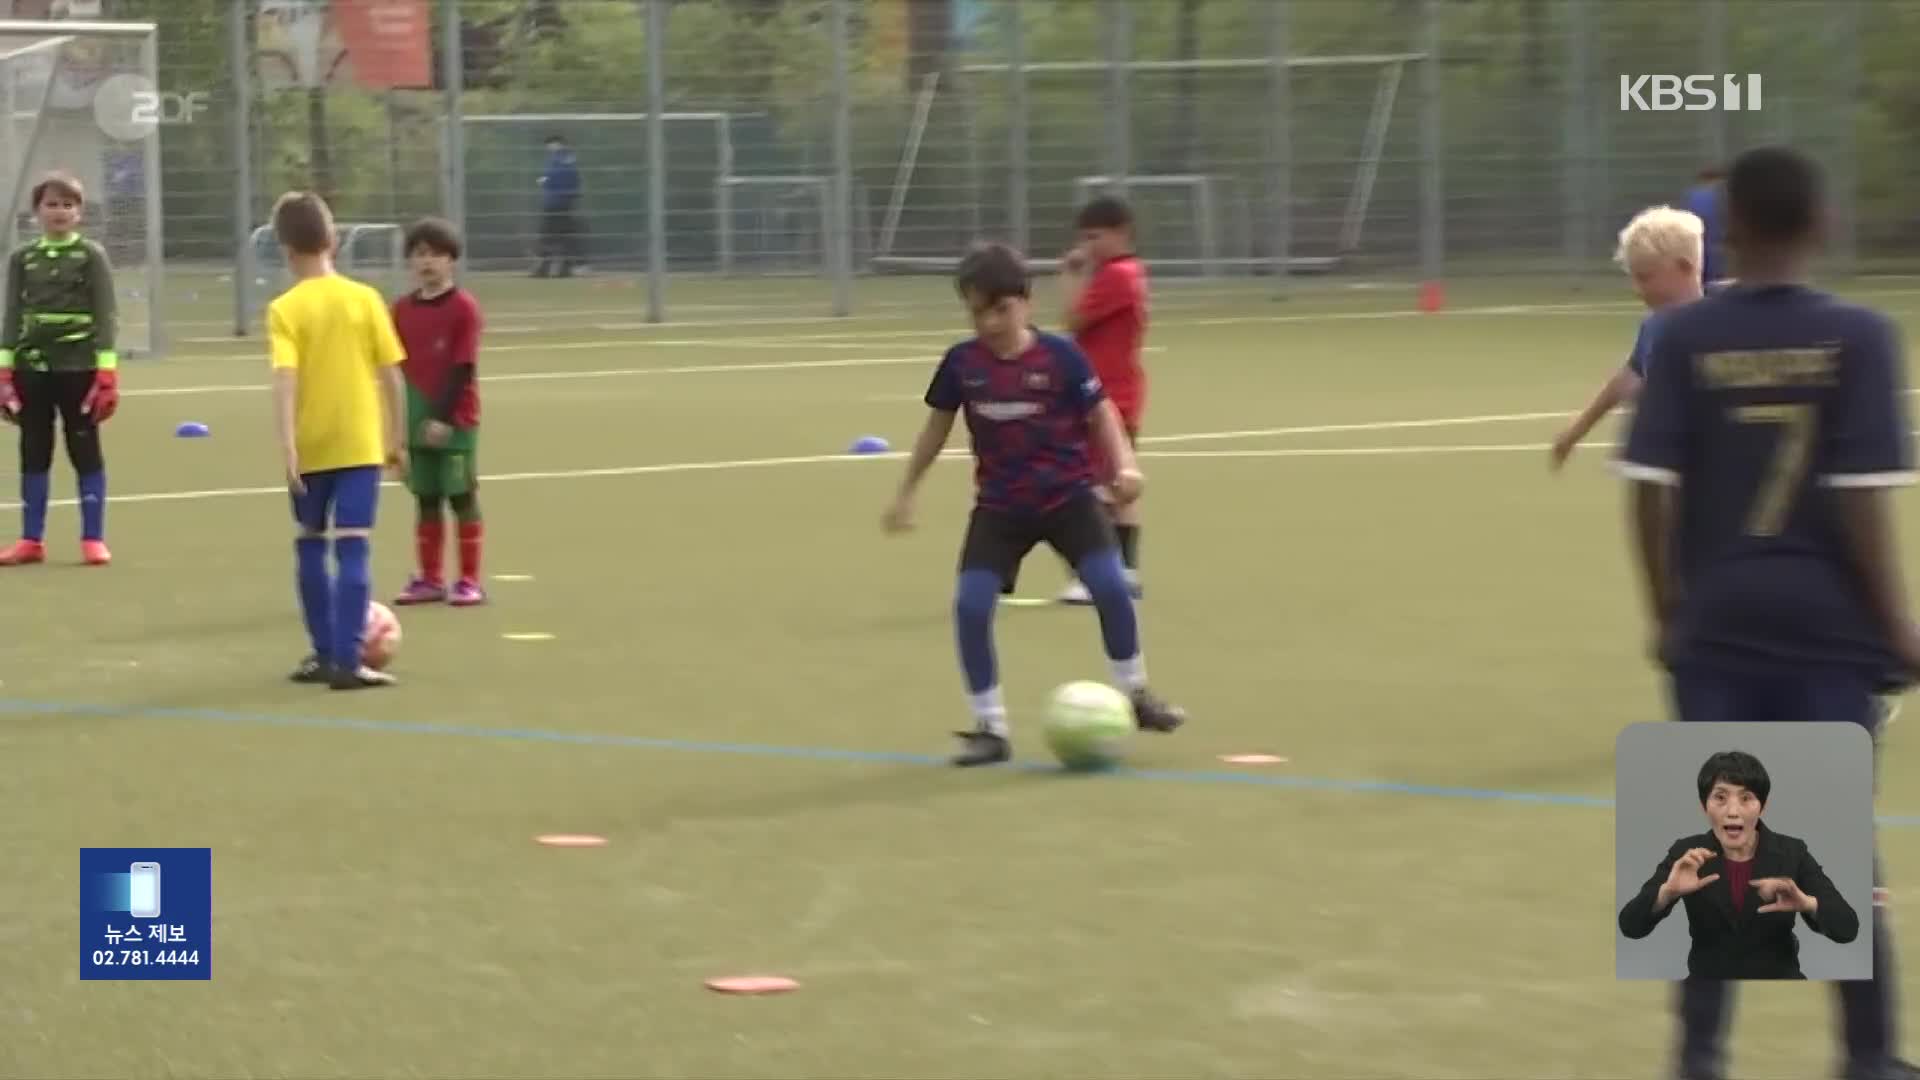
x=336, y=334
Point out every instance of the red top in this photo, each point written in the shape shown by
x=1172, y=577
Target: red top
x=1113, y=324
x=1740, y=880
x=439, y=335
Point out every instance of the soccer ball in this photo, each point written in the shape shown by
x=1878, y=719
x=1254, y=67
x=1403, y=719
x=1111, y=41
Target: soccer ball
x=381, y=639
x=1088, y=725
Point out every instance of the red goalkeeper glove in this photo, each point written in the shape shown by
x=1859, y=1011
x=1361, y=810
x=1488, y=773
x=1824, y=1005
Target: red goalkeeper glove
x=104, y=398
x=9, y=397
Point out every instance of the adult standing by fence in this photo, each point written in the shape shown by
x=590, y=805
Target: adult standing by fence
x=561, y=249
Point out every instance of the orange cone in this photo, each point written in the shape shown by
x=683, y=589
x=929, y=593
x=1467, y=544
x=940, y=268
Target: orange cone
x=1433, y=296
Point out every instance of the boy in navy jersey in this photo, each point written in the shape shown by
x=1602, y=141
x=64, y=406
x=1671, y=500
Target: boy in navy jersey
x=1769, y=434
x=1032, y=403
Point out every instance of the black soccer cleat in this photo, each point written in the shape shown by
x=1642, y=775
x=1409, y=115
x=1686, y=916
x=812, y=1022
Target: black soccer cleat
x=981, y=748
x=360, y=678
x=1152, y=714
x=311, y=671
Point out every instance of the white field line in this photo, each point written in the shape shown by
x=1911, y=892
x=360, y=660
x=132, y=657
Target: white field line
x=824, y=459
x=926, y=358
x=843, y=338
x=562, y=318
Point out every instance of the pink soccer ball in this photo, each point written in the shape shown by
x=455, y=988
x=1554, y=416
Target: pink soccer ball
x=381, y=639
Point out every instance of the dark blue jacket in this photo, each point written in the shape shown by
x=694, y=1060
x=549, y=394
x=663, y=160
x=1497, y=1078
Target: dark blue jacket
x=560, y=183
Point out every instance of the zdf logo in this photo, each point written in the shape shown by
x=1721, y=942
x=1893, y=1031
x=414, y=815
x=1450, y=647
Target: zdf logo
x=1692, y=93
x=128, y=107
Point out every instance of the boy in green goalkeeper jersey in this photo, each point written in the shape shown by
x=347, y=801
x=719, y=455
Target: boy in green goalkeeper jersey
x=57, y=360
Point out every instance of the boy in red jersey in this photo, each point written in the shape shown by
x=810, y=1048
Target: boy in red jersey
x=439, y=324
x=1106, y=309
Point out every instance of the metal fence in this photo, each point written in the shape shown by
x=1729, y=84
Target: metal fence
x=1391, y=139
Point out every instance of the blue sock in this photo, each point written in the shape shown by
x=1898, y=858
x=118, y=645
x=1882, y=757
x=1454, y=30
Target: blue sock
x=352, y=592
x=1105, y=577
x=973, y=603
x=33, y=504
x=316, y=593
x=93, y=506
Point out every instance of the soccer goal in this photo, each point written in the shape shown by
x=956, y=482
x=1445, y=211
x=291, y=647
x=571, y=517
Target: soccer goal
x=373, y=252
x=504, y=155
x=1185, y=233
x=774, y=224
x=1216, y=212
x=79, y=97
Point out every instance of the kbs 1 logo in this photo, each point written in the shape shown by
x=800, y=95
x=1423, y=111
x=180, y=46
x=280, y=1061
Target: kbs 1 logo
x=1689, y=93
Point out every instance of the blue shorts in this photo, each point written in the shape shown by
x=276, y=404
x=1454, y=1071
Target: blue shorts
x=1711, y=694
x=348, y=497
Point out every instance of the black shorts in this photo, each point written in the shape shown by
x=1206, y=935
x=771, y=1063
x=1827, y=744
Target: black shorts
x=998, y=540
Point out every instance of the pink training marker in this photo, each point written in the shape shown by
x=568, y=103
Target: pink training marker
x=753, y=984
x=571, y=840
x=1252, y=759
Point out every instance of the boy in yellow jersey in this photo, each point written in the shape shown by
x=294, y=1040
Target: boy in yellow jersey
x=337, y=397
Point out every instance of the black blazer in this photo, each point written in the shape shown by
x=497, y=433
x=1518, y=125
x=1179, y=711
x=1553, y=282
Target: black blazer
x=1746, y=944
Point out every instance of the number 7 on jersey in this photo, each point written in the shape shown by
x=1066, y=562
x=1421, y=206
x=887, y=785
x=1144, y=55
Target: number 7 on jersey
x=1791, y=456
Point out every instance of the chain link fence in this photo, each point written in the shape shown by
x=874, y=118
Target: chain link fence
x=838, y=140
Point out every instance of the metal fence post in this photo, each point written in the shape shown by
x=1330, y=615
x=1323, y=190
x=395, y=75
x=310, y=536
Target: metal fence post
x=1713, y=61
x=842, y=186
x=656, y=160
x=1279, y=143
x=1577, y=84
x=156, y=252
x=1846, y=159
x=239, y=135
x=1432, y=205
x=1119, y=24
x=1017, y=197
x=453, y=74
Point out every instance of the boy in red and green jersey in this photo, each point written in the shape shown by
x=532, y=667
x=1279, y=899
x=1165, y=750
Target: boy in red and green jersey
x=439, y=325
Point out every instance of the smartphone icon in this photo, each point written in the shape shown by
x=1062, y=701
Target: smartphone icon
x=143, y=890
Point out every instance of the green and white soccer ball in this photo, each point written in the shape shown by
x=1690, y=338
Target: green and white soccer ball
x=1089, y=725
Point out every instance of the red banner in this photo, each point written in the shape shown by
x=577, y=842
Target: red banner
x=389, y=43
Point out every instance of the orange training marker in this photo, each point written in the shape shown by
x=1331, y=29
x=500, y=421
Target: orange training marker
x=753, y=984
x=571, y=840
x=1252, y=759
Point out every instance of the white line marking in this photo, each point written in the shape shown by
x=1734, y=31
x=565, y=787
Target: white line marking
x=850, y=334
x=599, y=373
x=1358, y=451
x=1377, y=425
x=895, y=455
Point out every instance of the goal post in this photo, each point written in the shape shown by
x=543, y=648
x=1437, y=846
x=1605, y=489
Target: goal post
x=779, y=223
x=371, y=252
x=1201, y=227
x=1330, y=199
x=80, y=97
x=502, y=155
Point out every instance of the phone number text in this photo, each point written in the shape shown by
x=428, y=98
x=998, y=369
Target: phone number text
x=144, y=957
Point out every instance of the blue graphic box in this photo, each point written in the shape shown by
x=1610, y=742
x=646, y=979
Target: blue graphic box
x=146, y=913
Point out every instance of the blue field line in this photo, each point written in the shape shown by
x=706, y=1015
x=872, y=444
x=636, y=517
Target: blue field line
x=816, y=753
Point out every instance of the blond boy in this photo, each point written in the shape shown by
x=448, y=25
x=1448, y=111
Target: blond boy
x=1661, y=249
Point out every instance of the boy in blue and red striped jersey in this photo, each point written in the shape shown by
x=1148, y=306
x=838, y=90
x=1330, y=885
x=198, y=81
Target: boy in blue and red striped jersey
x=1035, y=409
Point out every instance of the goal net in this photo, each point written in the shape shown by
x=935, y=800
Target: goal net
x=80, y=98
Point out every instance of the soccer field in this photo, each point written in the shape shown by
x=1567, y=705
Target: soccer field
x=1355, y=559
